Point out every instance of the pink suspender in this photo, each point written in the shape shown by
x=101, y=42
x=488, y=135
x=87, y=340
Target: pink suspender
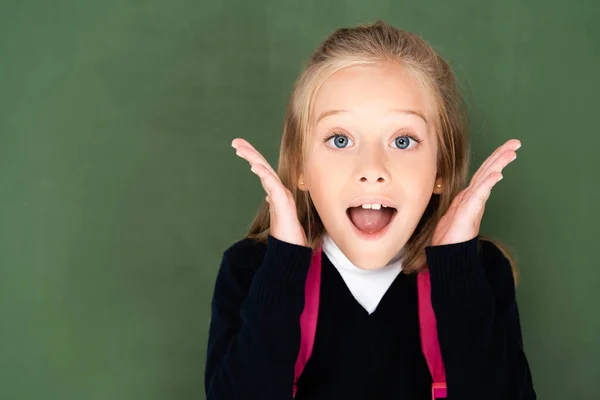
x=429, y=339
x=308, y=319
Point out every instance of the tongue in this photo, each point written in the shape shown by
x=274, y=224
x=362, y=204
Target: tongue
x=369, y=220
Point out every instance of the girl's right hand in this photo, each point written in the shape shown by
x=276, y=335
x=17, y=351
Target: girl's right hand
x=284, y=225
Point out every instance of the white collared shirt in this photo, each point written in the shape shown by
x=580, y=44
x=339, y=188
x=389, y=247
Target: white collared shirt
x=367, y=286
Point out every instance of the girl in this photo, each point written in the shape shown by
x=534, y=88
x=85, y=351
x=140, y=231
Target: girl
x=371, y=175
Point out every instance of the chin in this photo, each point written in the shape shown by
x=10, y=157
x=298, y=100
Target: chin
x=369, y=255
x=368, y=261
x=369, y=252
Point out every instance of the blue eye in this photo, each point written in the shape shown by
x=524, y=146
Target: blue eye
x=403, y=142
x=341, y=141
x=338, y=140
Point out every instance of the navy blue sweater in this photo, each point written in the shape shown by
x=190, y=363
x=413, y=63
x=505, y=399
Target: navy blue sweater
x=255, y=332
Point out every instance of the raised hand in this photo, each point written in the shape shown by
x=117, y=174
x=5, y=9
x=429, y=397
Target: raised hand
x=463, y=219
x=284, y=225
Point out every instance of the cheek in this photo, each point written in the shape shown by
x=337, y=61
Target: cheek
x=416, y=178
x=323, y=171
x=326, y=182
x=323, y=182
x=418, y=190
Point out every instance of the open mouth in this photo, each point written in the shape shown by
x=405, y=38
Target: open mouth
x=371, y=220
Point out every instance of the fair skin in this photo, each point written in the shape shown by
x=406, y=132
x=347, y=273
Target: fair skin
x=373, y=134
x=385, y=113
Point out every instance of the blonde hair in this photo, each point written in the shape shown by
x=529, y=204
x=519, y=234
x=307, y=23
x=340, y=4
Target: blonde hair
x=371, y=44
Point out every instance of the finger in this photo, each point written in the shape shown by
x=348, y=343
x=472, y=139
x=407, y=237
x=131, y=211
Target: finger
x=251, y=155
x=255, y=159
x=479, y=195
x=455, y=204
x=497, y=164
x=501, y=162
x=511, y=145
x=271, y=184
x=269, y=178
x=239, y=143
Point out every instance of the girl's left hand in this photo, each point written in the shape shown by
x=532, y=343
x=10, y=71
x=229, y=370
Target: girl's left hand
x=461, y=222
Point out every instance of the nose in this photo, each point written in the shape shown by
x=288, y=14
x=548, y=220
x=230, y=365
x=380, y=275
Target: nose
x=372, y=170
x=365, y=179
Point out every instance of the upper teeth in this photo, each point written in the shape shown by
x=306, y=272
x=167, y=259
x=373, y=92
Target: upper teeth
x=372, y=206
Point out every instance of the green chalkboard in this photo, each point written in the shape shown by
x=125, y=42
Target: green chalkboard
x=119, y=190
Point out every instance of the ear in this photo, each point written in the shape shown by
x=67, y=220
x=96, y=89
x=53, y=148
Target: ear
x=438, y=186
x=302, y=183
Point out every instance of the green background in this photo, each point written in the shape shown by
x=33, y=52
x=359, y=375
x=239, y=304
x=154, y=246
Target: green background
x=119, y=190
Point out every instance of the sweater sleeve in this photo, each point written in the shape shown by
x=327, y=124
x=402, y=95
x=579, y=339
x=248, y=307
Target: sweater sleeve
x=254, y=334
x=473, y=297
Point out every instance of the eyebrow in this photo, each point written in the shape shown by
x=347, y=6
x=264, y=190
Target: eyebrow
x=326, y=114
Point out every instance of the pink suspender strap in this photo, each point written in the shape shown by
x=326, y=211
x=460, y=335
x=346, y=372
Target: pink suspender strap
x=429, y=339
x=309, y=316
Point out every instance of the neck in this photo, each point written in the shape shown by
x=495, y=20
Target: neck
x=335, y=254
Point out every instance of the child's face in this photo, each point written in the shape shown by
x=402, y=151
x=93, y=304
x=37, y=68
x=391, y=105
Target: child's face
x=372, y=155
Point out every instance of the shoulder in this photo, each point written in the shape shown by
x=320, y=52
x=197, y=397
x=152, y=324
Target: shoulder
x=245, y=253
x=239, y=263
x=498, y=265
x=494, y=257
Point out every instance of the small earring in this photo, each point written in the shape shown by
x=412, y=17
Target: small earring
x=301, y=183
x=438, y=186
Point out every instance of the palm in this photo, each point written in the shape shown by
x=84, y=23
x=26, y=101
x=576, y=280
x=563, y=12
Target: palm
x=284, y=224
x=463, y=218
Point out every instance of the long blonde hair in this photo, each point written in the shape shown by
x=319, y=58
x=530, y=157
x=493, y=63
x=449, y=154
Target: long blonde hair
x=366, y=45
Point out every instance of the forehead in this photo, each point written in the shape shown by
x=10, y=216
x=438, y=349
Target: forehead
x=373, y=89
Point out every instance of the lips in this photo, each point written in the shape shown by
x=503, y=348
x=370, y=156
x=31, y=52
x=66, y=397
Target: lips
x=383, y=200
x=371, y=221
